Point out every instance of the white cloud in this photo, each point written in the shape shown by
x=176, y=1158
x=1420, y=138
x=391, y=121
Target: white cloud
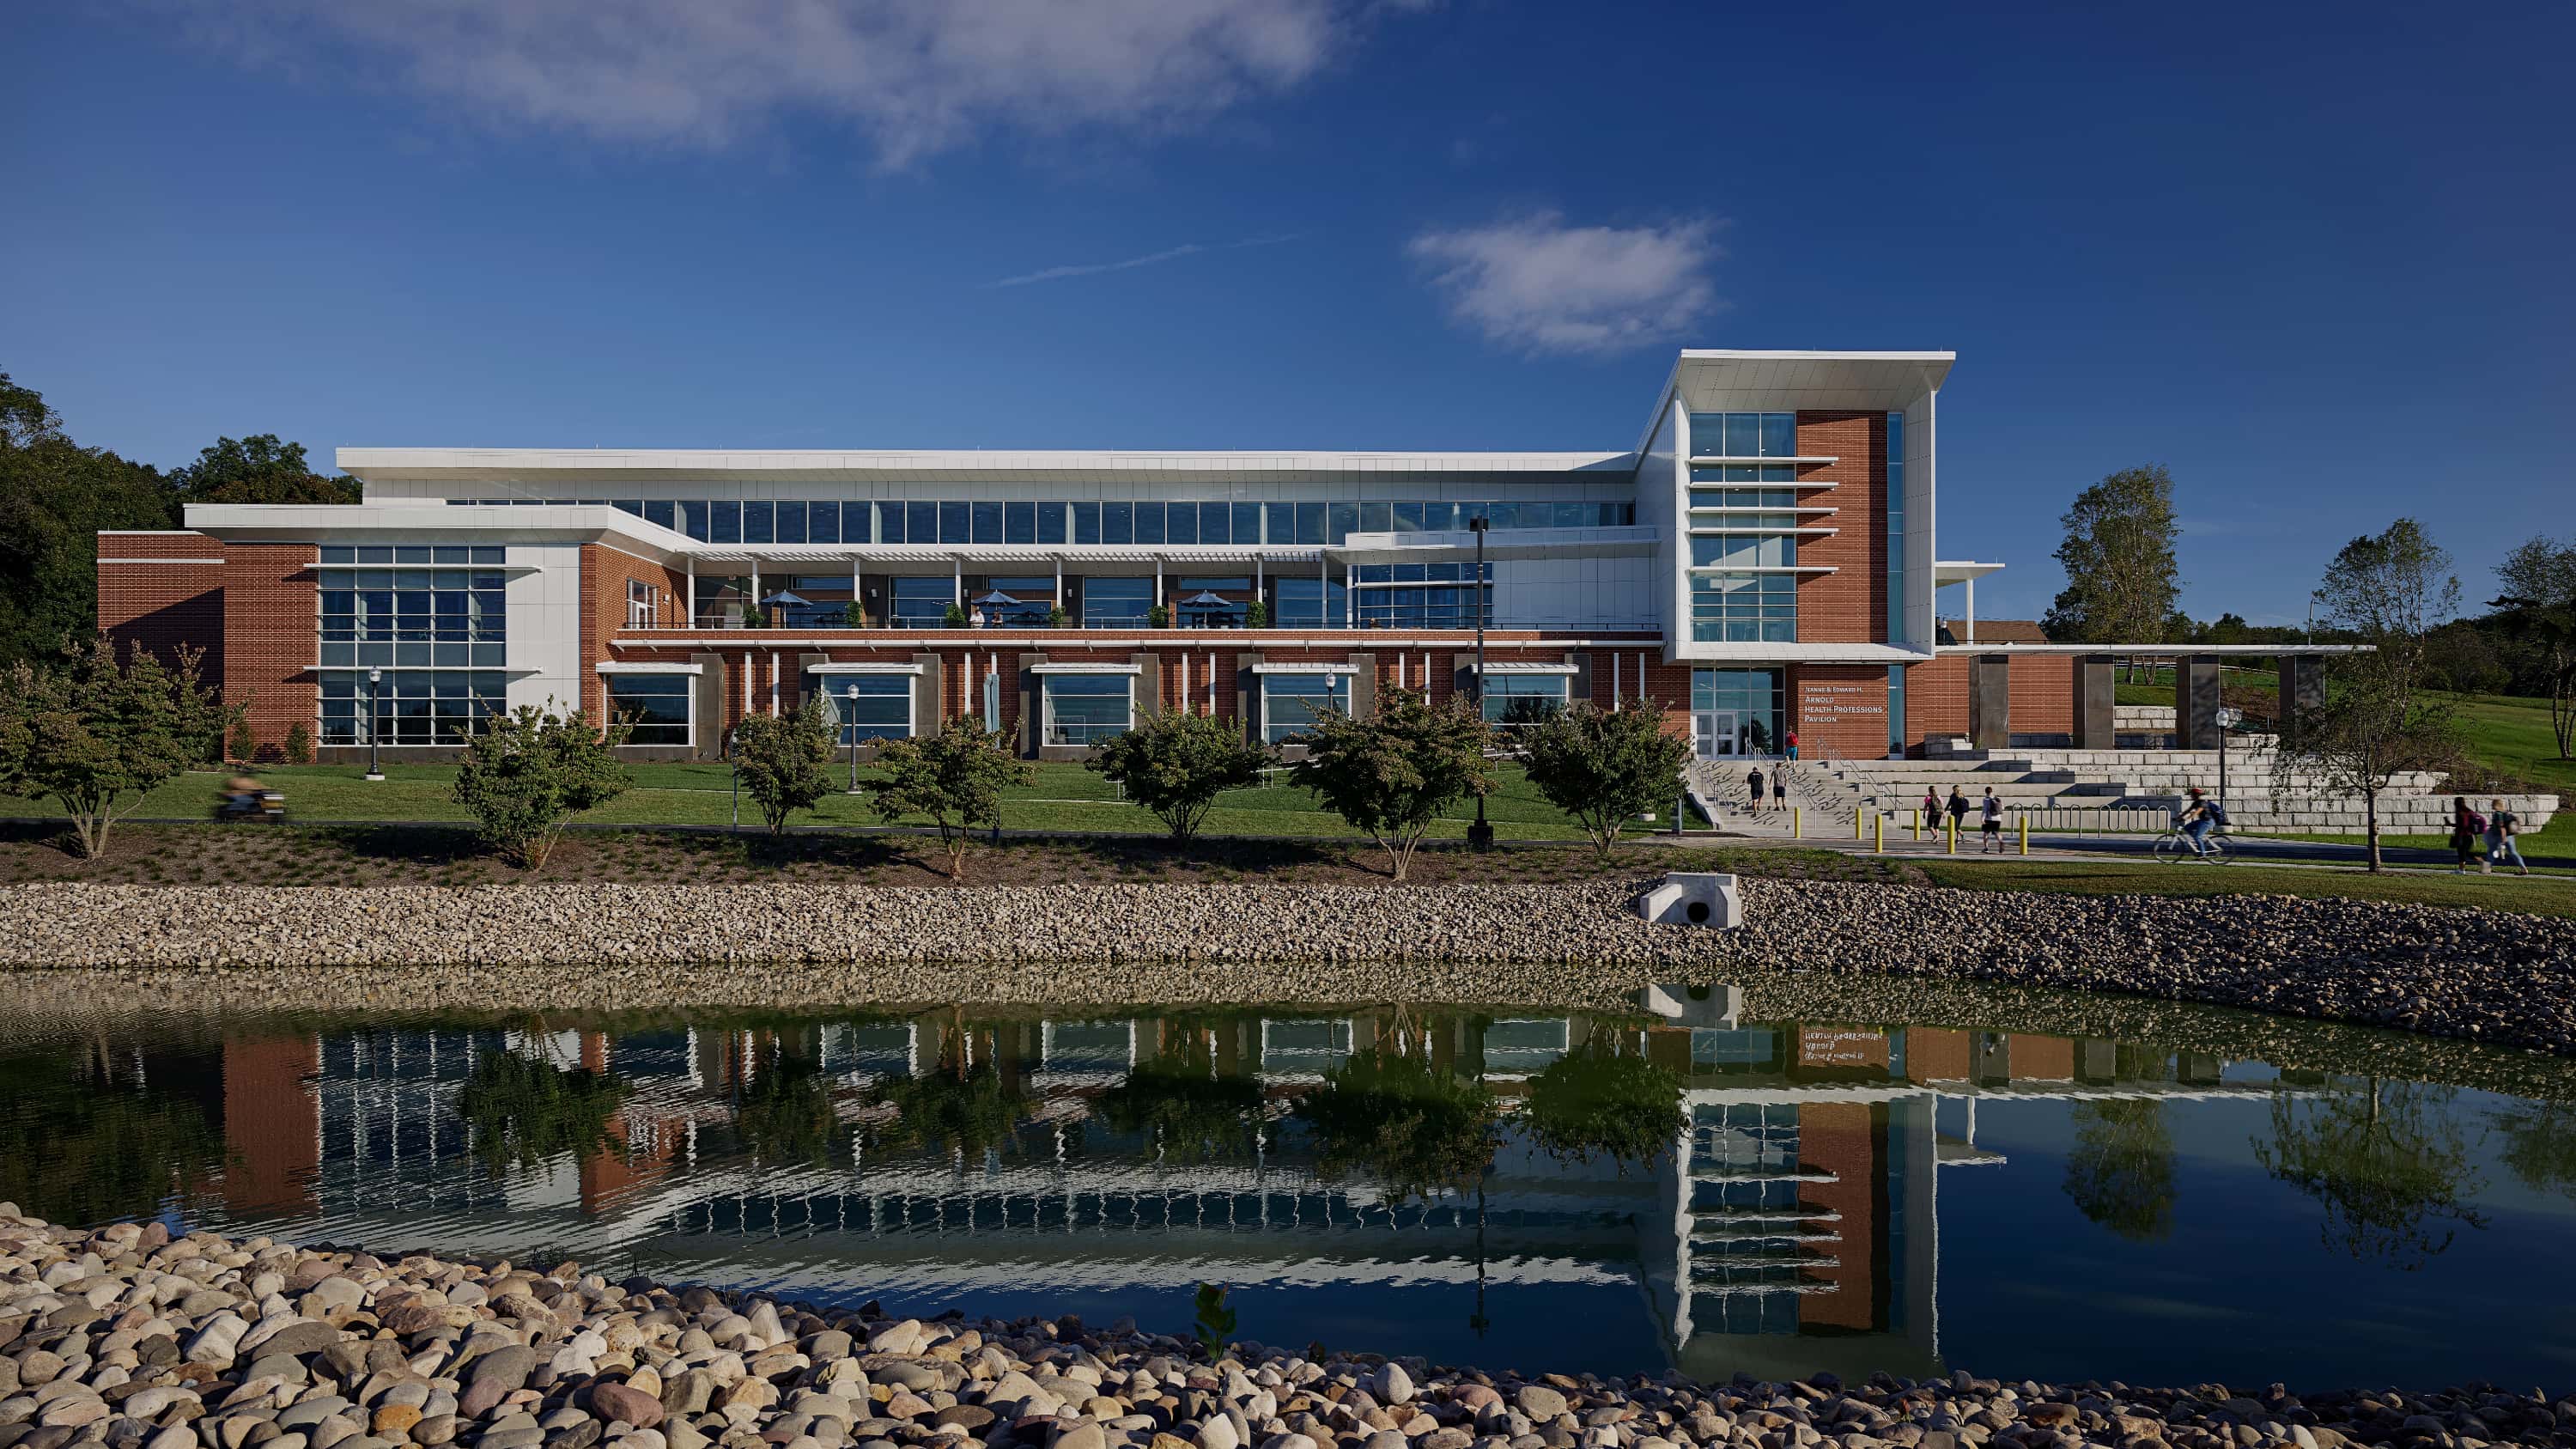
x=1538, y=285
x=916, y=76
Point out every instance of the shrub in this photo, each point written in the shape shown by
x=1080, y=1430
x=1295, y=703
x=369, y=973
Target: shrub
x=1603, y=766
x=954, y=617
x=956, y=777
x=1390, y=776
x=784, y=761
x=854, y=615
x=105, y=727
x=530, y=768
x=1057, y=618
x=299, y=744
x=1176, y=764
x=1159, y=616
x=1256, y=615
x=239, y=742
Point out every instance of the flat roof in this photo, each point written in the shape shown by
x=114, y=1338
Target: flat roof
x=590, y=466
x=1716, y=379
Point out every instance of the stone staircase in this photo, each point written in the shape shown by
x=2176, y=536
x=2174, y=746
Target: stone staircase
x=2139, y=789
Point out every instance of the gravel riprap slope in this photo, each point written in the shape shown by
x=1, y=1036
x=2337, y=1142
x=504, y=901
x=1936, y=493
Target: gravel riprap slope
x=127, y=1339
x=2488, y=975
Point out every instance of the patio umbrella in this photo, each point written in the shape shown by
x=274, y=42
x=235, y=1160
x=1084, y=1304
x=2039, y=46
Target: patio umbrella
x=997, y=597
x=784, y=597
x=1205, y=597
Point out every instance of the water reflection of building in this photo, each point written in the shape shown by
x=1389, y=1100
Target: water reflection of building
x=1793, y=1227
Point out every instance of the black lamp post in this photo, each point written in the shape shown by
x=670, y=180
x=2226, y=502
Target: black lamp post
x=375, y=721
x=1480, y=836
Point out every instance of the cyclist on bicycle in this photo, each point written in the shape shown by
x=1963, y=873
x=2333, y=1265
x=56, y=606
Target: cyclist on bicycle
x=2198, y=818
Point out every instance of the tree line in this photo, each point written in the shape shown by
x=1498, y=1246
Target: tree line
x=56, y=496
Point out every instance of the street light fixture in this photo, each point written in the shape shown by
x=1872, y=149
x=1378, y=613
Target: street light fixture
x=1480, y=836
x=375, y=722
x=2228, y=719
x=850, y=692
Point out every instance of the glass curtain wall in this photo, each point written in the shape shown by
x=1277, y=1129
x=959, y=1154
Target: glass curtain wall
x=1074, y=521
x=1756, y=699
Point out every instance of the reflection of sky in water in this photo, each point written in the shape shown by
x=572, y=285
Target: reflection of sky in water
x=1846, y=1197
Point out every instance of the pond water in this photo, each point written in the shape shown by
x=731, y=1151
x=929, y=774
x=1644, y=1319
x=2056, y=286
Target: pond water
x=1526, y=1189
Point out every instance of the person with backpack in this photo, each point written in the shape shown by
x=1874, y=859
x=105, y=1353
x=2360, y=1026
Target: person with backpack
x=1958, y=809
x=2468, y=830
x=2199, y=817
x=2502, y=826
x=1992, y=809
x=1931, y=809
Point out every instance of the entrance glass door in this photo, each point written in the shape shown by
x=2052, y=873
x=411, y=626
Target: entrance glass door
x=1713, y=733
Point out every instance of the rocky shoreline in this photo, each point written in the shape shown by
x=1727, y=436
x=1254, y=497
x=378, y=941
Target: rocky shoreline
x=127, y=1338
x=2489, y=976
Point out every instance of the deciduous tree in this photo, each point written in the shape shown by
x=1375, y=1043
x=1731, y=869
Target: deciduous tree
x=529, y=769
x=2119, y=560
x=1175, y=764
x=2387, y=591
x=101, y=730
x=258, y=469
x=1604, y=767
x=784, y=761
x=1392, y=775
x=2539, y=579
x=55, y=497
x=956, y=777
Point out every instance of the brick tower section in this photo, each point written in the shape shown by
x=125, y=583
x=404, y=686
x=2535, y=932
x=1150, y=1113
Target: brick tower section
x=1849, y=605
x=272, y=634
x=157, y=591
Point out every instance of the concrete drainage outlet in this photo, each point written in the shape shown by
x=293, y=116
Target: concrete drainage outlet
x=1694, y=898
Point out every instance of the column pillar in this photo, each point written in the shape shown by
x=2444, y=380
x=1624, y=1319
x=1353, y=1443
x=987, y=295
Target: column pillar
x=2303, y=691
x=2196, y=702
x=2095, y=691
x=1990, y=701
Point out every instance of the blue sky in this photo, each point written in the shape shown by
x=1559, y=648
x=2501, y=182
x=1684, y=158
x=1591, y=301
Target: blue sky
x=2311, y=259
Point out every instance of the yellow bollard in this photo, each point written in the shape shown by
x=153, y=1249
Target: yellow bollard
x=2025, y=835
x=1797, y=822
x=1917, y=813
x=1954, y=835
x=1881, y=823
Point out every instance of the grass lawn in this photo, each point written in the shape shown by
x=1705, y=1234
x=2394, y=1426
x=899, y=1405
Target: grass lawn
x=1062, y=798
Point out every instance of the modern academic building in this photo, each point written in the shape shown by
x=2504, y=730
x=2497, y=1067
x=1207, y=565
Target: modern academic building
x=1762, y=561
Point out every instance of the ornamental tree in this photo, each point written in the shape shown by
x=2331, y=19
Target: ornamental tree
x=784, y=761
x=529, y=769
x=2539, y=579
x=1391, y=775
x=1604, y=767
x=101, y=730
x=956, y=777
x=1175, y=764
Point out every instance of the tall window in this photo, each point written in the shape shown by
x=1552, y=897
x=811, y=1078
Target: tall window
x=1513, y=700
x=1752, y=703
x=1116, y=603
x=418, y=607
x=1743, y=550
x=921, y=603
x=1084, y=709
x=409, y=706
x=655, y=705
x=1895, y=709
x=1895, y=527
x=1291, y=702
x=1306, y=603
x=863, y=706
x=1744, y=608
x=1744, y=435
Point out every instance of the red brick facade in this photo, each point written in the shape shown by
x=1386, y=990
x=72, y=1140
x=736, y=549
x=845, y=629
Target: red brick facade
x=1839, y=710
x=157, y=591
x=256, y=614
x=1848, y=606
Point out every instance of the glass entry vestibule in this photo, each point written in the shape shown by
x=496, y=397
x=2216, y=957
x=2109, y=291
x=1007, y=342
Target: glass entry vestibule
x=1739, y=712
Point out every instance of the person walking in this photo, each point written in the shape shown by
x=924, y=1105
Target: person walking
x=1779, y=787
x=1958, y=809
x=1931, y=809
x=1991, y=809
x=1793, y=744
x=1753, y=788
x=2468, y=828
x=2502, y=826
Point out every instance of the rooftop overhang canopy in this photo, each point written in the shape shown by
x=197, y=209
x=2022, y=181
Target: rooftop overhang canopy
x=1748, y=652
x=1959, y=571
x=379, y=523
x=542, y=470
x=1047, y=554
x=1457, y=544
x=1714, y=380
